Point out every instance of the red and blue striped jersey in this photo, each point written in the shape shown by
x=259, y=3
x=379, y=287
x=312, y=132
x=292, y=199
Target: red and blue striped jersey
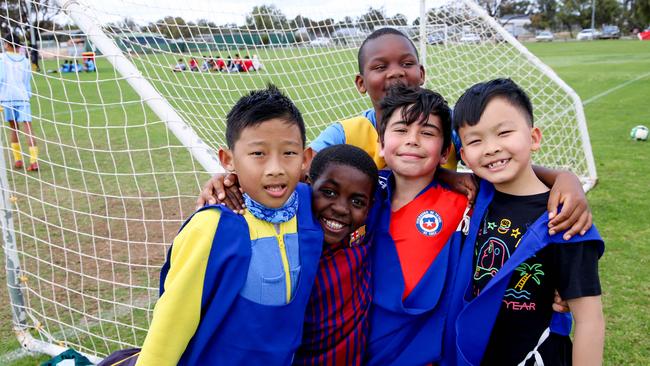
x=336, y=322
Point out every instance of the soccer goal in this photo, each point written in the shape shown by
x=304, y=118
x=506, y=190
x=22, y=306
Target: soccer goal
x=126, y=147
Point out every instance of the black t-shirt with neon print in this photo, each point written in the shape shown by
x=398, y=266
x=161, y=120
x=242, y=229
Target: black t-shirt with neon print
x=527, y=304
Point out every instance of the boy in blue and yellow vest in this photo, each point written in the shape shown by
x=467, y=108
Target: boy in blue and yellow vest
x=234, y=288
x=510, y=265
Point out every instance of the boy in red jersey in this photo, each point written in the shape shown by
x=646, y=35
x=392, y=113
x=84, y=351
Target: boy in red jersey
x=417, y=238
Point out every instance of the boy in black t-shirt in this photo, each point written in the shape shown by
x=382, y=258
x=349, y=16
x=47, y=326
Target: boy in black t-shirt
x=511, y=271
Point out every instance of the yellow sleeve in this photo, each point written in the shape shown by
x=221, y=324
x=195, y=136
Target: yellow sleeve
x=177, y=313
x=452, y=159
x=360, y=132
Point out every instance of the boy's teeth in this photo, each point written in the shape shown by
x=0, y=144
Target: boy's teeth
x=274, y=188
x=333, y=224
x=497, y=163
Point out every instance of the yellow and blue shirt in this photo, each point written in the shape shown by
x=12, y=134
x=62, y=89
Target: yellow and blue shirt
x=234, y=289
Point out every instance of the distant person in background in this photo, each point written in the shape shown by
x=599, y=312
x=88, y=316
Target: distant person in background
x=180, y=66
x=229, y=63
x=65, y=67
x=90, y=65
x=34, y=57
x=15, y=91
x=237, y=64
x=76, y=67
x=206, y=63
x=219, y=64
x=193, y=64
x=257, y=64
x=248, y=64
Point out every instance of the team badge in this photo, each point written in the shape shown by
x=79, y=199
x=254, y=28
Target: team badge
x=429, y=223
x=357, y=237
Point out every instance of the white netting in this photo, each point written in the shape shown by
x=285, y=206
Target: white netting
x=93, y=225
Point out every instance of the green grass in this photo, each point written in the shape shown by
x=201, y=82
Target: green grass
x=590, y=68
x=618, y=201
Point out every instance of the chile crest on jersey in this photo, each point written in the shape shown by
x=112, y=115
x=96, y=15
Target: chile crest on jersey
x=429, y=223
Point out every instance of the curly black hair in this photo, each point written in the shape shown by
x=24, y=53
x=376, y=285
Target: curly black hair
x=347, y=155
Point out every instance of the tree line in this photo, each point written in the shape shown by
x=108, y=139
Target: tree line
x=544, y=14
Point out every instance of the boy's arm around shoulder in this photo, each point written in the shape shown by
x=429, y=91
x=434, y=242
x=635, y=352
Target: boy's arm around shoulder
x=566, y=190
x=177, y=313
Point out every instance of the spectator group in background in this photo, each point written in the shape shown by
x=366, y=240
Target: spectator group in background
x=88, y=65
x=219, y=64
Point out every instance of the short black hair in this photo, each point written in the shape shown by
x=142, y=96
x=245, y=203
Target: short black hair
x=346, y=155
x=472, y=103
x=361, y=59
x=12, y=38
x=259, y=106
x=417, y=105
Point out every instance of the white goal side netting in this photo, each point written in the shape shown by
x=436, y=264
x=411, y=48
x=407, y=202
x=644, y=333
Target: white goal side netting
x=125, y=149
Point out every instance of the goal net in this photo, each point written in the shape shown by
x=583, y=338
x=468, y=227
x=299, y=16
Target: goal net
x=125, y=149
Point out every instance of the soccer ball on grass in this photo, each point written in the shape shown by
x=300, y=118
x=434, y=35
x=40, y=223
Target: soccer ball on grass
x=639, y=133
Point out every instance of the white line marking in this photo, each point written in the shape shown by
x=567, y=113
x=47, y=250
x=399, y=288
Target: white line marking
x=611, y=90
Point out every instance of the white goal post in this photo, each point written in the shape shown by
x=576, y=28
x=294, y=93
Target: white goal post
x=125, y=149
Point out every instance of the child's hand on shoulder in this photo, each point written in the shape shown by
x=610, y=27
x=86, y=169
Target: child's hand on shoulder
x=222, y=188
x=575, y=216
x=463, y=183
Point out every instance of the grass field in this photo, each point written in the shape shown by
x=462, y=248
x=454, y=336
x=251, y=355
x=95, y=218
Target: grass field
x=611, y=77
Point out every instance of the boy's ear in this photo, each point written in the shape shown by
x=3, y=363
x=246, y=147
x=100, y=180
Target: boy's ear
x=444, y=154
x=226, y=159
x=536, y=136
x=359, y=82
x=462, y=155
x=422, y=75
x=307, y=157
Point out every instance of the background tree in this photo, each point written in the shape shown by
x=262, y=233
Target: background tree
x=642, y=11
x=397, y=20
x=266, y=17
x=347, y=22
x=544, y=15
x=491, y=6
x=42, y=12
x=574, y=12
x=512, y=7
x=372, y=18
x=607, y=12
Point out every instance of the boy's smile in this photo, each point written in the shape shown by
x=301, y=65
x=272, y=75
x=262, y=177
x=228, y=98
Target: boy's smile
x=498, y=148
x=415, y=150
x=341, y=199
x=268, y=159
x=389, y=60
